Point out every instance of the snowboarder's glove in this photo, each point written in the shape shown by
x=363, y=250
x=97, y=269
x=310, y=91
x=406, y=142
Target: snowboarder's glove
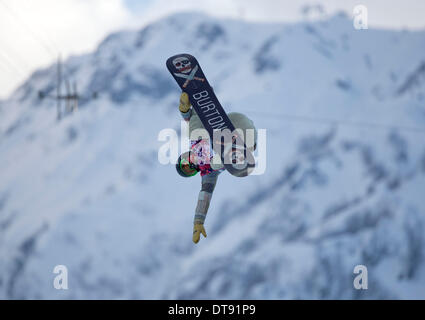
x=184, y=103
x=198, y=228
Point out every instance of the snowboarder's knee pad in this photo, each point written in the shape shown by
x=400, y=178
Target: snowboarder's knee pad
x=241, y=121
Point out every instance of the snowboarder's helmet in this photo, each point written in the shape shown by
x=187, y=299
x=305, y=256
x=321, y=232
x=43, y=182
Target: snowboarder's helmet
x=184, y=167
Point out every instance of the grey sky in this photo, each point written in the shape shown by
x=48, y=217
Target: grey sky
x=34, y=32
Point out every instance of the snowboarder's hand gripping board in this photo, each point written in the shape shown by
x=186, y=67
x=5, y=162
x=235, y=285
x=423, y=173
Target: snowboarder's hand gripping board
x=225, y=140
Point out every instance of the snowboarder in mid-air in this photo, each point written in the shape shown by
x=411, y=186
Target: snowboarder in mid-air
x=201, y=158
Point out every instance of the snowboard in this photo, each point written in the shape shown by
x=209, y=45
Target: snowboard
x=187, y=72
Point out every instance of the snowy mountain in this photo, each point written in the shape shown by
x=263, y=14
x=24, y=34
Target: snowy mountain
x=344, y=185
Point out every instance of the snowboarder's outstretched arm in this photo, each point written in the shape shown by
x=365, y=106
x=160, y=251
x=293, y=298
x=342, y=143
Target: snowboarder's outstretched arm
x=208, y=181
x=208, y=184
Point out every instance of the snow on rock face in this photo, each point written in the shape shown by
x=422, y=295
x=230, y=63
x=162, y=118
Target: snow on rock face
x=89, y=193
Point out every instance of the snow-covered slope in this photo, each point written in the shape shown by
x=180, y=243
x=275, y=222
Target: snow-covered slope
x=88, y=192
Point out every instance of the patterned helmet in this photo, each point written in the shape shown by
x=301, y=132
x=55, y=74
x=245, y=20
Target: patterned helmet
x=184, y=167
